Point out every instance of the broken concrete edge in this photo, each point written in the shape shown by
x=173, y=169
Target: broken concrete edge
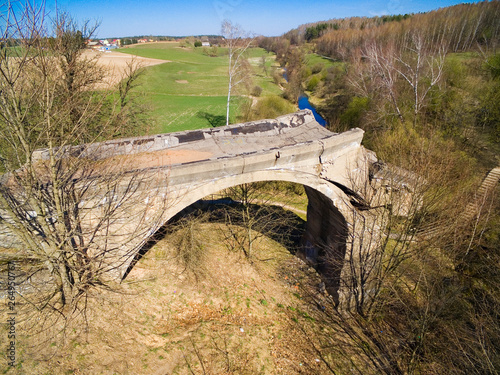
x=134, y=145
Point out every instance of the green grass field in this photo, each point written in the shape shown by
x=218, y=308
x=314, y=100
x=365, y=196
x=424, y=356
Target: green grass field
x=312, y=58
x=193, y=84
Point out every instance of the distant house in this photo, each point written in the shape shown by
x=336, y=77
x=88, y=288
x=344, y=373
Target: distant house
x=205, y=44
x=103, y=45
x=108, y=47
x=94, y=45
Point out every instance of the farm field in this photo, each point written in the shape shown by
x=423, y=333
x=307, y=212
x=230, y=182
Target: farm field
x=193, y=85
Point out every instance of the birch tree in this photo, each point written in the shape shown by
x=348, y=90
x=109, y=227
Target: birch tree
x=401, y=75
x=239, y=69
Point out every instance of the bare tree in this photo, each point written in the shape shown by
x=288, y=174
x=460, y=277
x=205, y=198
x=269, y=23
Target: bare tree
x=239, y=69
x=295, y=73
x=263, y=64
x=381, y=69
x=253, y=215
x=399, y=73
x=407, y=299
x=422, y=70
x=70, y=212
x=381, y=234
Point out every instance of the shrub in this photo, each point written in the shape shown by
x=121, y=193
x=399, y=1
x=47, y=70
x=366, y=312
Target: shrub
x=272, y=107
x=256, y=91
x=214, y=51
x=493, y=64
x=354, y=111
x=313, y=82
x=197, y=43
x=318, y=67
x=305, y=72
x=277, y=76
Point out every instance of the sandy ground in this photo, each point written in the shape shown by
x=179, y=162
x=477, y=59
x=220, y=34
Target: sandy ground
x=116, y=63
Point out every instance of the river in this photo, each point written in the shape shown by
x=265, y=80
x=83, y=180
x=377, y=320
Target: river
x=304, y=104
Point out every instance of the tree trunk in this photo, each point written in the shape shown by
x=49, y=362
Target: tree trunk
x=228, y=99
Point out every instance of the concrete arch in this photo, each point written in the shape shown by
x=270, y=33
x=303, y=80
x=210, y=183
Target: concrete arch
x=195, y=193
x=326, y=228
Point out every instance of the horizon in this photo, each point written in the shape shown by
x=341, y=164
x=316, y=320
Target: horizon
x=193, y=17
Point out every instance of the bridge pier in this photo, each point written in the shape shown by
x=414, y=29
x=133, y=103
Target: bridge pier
x=325, y=239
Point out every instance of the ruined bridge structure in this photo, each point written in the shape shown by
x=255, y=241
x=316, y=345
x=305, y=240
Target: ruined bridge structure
x=161, y=175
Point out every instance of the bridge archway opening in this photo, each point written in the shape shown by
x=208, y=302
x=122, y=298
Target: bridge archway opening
x=266, y=208
x=320, y=239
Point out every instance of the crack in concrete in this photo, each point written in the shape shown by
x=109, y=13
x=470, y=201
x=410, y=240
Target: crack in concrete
x=320, y=155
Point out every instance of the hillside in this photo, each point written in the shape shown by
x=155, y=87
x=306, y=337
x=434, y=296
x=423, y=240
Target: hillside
x=191, y=89
x=210, y=311
x=460, y=27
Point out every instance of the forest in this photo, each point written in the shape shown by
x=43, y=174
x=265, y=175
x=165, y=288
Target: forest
x=426, y=90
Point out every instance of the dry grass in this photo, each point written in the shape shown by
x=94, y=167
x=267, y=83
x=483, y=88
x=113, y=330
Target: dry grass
x=224, y=315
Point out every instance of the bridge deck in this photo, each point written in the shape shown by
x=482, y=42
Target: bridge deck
x=213, y=143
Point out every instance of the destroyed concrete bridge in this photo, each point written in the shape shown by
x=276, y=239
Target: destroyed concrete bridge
x=161, y=175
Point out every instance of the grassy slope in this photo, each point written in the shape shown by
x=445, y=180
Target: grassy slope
x=177, y=102
x=210, y=312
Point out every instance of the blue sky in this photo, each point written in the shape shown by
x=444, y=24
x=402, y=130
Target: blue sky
x=194, y=17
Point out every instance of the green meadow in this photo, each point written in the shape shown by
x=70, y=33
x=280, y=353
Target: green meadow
x=312, y=59
x=193, y=85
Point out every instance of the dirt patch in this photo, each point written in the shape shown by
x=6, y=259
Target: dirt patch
x=115, y=64
x=181, y=81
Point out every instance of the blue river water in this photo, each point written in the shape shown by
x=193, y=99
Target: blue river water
x=304, y=104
